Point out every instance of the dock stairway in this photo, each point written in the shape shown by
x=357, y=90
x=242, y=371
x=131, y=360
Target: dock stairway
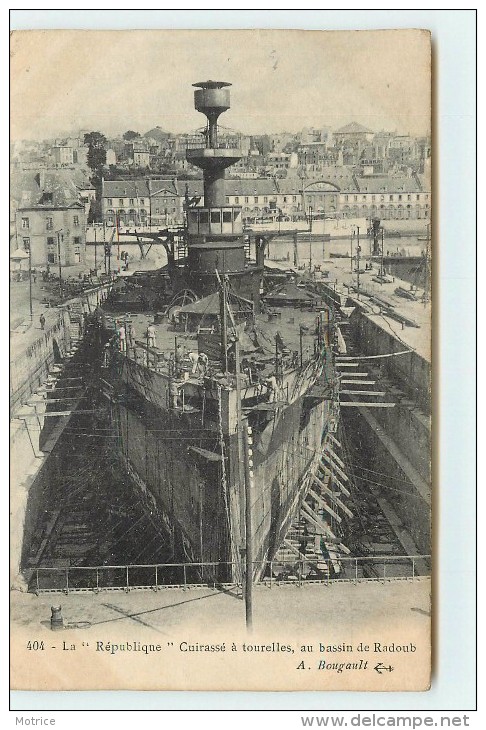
x=313, y=546
x=76, y=321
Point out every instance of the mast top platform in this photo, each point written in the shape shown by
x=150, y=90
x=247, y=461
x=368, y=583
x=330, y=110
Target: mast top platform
x=211, y=84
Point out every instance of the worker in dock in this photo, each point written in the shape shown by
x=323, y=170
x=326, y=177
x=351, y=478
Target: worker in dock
x=106, y=355
x=42, y=321
x=122, y=339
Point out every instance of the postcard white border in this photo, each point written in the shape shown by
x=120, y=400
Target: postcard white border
x=453, y=33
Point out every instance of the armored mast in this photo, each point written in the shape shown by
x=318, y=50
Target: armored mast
x=215, y=230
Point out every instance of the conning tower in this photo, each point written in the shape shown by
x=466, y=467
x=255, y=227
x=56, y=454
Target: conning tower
x=215, y=230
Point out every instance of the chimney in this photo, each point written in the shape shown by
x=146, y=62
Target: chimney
x=40, y=179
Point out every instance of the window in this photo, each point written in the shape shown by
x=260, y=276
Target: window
x=76, y=220
x=346, y=198
x=255, y=199
x=227, y=216
x=77, y=241
x=418, y=197
x=409, y=197
x=51, y=251
x=382, y=197
x=142, y=201
x=391, y=197
x=364, y=197
x=373, y=198
x=237, y=200
x=215, y=216
x=399, y=197
x=265, y=199
x=294, y=198
x=49, y=224
x=355, y=198
x=157, y=210
x=246, y=200
x=227, y=200
x=131, y=201
x=26, y=242
x=25, y=223
x=120, y=201
x=203, y=217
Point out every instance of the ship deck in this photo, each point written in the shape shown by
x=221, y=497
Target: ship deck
x=296, y=327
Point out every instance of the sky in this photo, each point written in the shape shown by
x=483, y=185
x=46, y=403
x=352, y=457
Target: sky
x=112, y=81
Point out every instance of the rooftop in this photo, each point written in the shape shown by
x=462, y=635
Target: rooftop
x=121, y=188
x=353, y=128
x=28, y=189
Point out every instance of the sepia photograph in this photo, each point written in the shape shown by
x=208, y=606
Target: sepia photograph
x=221, y=253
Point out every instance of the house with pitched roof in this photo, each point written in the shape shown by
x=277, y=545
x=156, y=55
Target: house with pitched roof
x=126, y=202
x=49, y=217
x=165, y=204
x=353, y=134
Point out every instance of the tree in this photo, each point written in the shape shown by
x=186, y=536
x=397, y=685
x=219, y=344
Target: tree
x=291, y=147
x=94, y=214
x=96, y=150
x=128, y=136
x=263, y=144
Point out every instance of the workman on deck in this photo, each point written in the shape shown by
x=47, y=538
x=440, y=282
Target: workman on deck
x=193, y=359
x=174, y=393
x=202, y=364
x=151, y=335
x=179, y=354
x=271, y=384
x=178, y=359
x=131, y=335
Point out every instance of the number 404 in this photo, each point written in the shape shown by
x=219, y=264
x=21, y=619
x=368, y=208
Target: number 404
x=35, y=646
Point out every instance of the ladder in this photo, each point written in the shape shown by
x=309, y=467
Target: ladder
x=247, y=248
x=181, y=247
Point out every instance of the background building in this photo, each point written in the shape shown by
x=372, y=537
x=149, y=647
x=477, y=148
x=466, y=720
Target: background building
x=50, y=220
x=337, y=193
x=125, y=201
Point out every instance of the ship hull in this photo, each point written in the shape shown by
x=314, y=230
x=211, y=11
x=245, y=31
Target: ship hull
x=189, y=466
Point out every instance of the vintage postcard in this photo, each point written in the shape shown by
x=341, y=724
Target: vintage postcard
x=220, y=266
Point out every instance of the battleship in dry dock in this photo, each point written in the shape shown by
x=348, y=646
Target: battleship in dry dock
x=223, y=409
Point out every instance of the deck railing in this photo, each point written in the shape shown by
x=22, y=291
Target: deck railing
x=220, y=574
